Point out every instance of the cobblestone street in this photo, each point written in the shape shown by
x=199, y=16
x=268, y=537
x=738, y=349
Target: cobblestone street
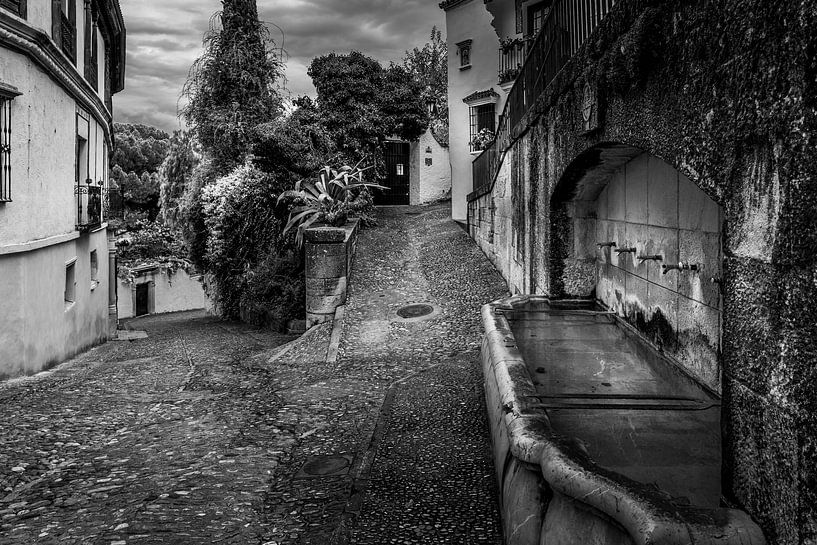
x=214, y=432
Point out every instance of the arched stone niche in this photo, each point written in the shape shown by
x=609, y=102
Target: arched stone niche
x=619, y=195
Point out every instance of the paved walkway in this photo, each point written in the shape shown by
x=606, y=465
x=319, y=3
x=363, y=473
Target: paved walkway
x=211, y=432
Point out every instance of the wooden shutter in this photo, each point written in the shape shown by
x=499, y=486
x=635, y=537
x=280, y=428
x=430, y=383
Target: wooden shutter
x=17, y=7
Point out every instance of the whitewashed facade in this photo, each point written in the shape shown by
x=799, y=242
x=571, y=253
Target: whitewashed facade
x=60, y=63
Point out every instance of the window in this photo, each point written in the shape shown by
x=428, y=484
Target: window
x=536, y=17
x=482, y=125
x=94, y=269
x=7, y=94
x=91, y=47
x=64, y=27
x=17, y=7
x=464, y=51
x=70, y=283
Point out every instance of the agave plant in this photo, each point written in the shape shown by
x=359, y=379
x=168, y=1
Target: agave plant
x=328, y=199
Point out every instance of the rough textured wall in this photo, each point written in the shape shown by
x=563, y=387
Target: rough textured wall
x=725, y=92
x=650, y=207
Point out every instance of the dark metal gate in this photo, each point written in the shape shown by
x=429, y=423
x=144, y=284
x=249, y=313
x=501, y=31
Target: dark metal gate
x=397, y=175
x=142, y=298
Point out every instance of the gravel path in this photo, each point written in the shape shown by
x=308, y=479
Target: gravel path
x=213, y=432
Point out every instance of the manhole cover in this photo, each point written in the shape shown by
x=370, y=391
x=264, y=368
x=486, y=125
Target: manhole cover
x=322, y=466
x=415, y=311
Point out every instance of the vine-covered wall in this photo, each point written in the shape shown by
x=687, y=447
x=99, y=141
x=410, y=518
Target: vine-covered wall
x=726, y=93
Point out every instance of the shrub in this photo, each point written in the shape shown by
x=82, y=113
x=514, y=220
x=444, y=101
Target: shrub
x=274, y=290
x=331, y=198
x=242, y=230
x=149, y=242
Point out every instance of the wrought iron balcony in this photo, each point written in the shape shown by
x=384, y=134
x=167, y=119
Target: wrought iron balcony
x=89, y=204
x=512, y=52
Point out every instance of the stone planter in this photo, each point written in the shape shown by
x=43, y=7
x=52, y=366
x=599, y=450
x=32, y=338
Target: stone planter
x=329, y=251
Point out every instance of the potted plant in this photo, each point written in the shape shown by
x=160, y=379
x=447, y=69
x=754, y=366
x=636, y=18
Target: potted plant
x=330, y=199
x=482, y=139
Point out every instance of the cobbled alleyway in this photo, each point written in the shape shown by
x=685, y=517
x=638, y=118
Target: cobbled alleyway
x=215, y=432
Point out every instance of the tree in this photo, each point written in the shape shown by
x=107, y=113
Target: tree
x=231, y=86
x=175, y=175
x=362, y=104
x=139, y=148
x=429, y=68
x=295, y=146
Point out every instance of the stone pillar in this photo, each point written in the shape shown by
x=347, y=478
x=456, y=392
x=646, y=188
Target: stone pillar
x=112, y=284
x=329, y=252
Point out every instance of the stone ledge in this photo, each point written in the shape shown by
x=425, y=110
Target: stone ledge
x=329, y=234
x=329, y=251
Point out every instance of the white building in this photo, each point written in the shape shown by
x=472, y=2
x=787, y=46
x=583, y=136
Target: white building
x=487, y=42
x=60, y=62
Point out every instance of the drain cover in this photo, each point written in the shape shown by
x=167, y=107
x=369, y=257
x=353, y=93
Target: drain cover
x=415, y=311
x=324, y=466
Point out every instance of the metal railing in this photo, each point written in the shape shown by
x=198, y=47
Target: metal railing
x=565, y=29
x=511, y=58
x=89, y=204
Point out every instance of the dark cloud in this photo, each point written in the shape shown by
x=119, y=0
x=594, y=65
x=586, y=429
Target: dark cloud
x=165, y=36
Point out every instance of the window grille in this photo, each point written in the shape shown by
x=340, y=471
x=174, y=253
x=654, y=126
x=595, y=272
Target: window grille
x=17, y=7
x=482, y=117
x=7, y=94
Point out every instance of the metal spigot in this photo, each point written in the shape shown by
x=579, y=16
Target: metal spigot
x=605, y=244
x=668, y=268
x=620, y=251
x=682, y=266
x=644, y=258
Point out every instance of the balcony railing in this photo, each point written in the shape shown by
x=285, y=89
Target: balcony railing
x=565, y=29
x=68, y=37
x=89, y=205
x=512, y=54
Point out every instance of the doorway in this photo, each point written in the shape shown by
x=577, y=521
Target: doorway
x=397, y=156
x=142, y=299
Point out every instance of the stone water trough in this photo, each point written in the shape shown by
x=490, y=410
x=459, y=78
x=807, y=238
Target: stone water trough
x=597, y=437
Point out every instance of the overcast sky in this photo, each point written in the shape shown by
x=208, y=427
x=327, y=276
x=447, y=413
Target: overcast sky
x=165, y=36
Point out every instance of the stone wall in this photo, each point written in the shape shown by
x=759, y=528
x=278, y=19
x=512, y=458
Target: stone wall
x=329, y=252
x=726, y=94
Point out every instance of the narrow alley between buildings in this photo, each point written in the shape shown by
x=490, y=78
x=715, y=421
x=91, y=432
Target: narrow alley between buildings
x=216, y=432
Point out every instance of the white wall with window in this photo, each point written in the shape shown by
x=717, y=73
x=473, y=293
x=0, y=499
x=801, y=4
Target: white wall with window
x=468, y=22
x=55, y=130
